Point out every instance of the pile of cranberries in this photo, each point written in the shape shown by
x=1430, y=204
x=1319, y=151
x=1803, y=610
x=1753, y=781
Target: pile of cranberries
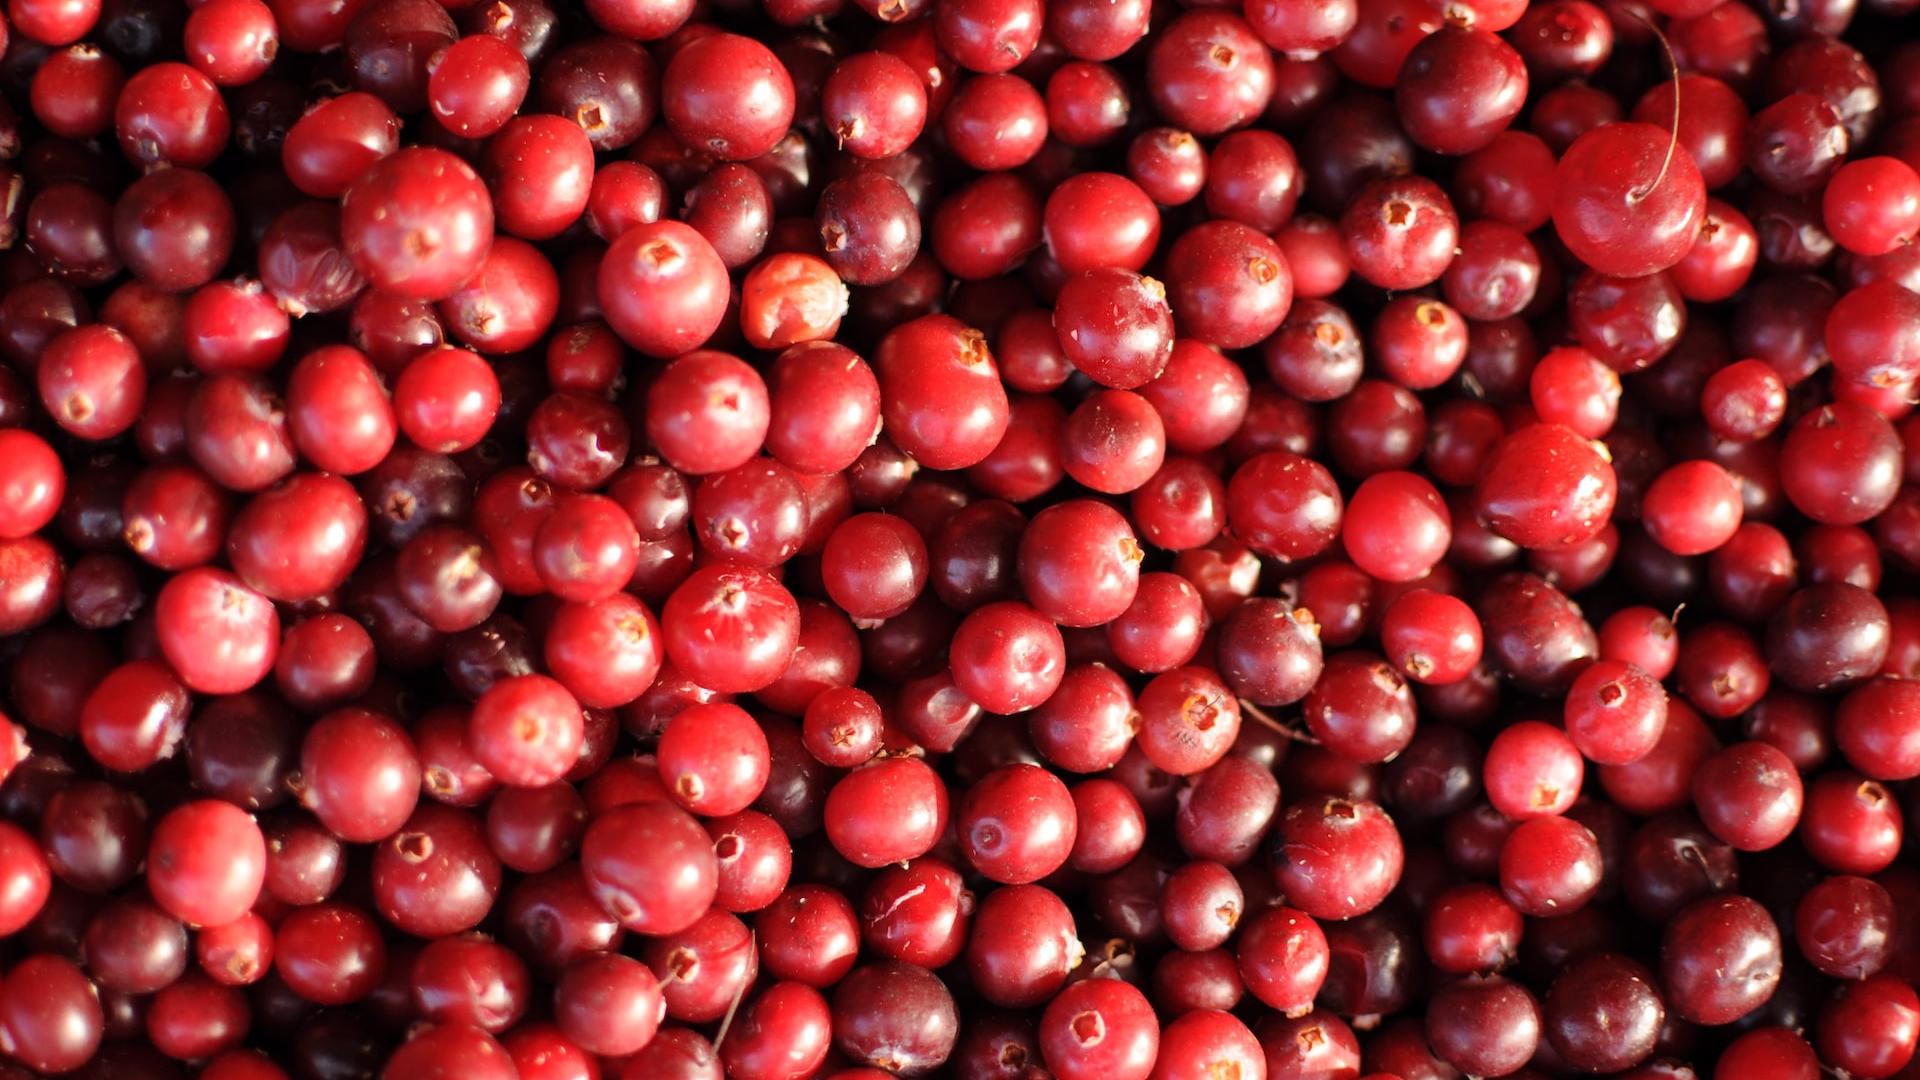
x=988, y=539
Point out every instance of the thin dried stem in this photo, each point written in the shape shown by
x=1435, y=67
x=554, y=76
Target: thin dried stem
x=1262, y=717
x=1673, y=131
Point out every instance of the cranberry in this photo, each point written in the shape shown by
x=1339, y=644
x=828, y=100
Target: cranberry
x=1099, y=1027
x=417, y=223
x=727, y=95
x=1720, y=959
x=52, y=1014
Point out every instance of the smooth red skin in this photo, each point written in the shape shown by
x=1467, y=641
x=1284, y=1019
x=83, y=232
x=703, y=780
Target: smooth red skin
x=606, y=652
x=506, y=305
x=1162, y=628
x=238, y=953
x=1201, y=397
x=52, y=1014
x=1400, y=233
x=1017, y=824
x=1704, y=949
x=824, y=407
x=1749, y=795
x=1617, y=220
x=811, y=935
x=651, y=865
x=450, y=1051
x=171, y=114
x=751, y=648
x=1326, y=891
x=728, y=96
x=1870, y=729
x=33, y=486
x=33, y=575
x=1659, y=780
x=641, y=22
x=1604, y=736
x=995, y=122
x=477, y=84
x=52, y=24
x=624, y=194
x=234, y=326
x=1872, y=205
x=1870, y=1028
x=1549, y=866
x=1007, y=657
x=1745, y=400
x=446, y=400
x=338, y=411
x=874, y=104
x=784, y=1032
x=703, y=968
x=1722, y=258
x=663, y=288
x=1538, y=507
x=1532, y=770
x=608, y=1004
x=1096, y=220
x=1418, y=621
x=1458, y=88
x=1115, y=326
x=418, y=223
x=300, y=539
x=1510, y=180
x=1396, y=527
x=25, y=878
x=1220, y=261
x=232, y=41
x=1029, y=459
x=540, y=1051
x=1870, y=335
x=220, y=636
x=1840, y=464
x=1284, y=506
x=539, y=170
x=1471, y=928
x=707, y=412
x=1282, y=958
x=890, y=810
x=337, y=141
x=1844, y=926
x=1850, y=824
x=875, y=565
x=206, y=862
x=1713, y=123
x=436, y=875
x=940, y=392
x=499, y=735
x=195, y=1018
x=586, y=549
x=1194, y=88
x=375, y=744
x=135, y=716
x=713, y=759
x=174, y=229
x=1128, y=1039
x=1774, y=1051
x=1692, y=508
x=92, y=382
